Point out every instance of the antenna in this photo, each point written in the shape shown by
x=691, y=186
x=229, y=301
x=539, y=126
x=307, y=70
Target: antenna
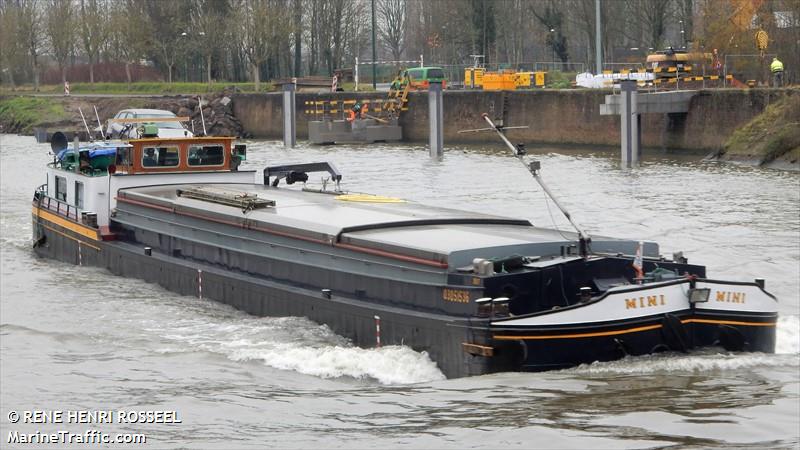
x=89, y=133
x=533, y=168
x=99, y=125
x=202, y=119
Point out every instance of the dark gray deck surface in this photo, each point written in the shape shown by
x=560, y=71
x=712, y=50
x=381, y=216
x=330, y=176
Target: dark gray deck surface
x=408, y=228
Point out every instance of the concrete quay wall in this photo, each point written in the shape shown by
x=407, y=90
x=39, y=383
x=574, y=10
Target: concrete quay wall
x=567, y=117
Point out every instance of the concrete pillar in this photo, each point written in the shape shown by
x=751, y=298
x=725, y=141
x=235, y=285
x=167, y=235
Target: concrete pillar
x=436, y=119
x=630, y=125
x=289, y=110
x=355, y=74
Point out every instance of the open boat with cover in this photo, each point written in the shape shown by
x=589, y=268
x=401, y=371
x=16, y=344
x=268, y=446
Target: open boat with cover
x=479, y=293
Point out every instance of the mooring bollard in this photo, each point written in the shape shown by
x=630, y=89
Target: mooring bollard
x=436, y=119
x=289, y=109
x=630, y=124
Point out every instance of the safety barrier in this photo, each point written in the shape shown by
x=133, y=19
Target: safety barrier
x=337, y=106
x=675, y=81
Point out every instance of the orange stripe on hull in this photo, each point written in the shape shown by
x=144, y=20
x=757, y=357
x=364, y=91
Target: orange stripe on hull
x=581, y=335
x=630, y=330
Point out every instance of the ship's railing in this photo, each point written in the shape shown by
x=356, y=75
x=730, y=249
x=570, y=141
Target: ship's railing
x=88, y=172
x=55, y=205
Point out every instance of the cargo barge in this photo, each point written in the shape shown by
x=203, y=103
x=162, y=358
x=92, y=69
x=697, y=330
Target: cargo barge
x=478, y=293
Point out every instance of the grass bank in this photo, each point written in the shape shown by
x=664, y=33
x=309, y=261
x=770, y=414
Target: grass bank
x=21, y=114
x=773, y=135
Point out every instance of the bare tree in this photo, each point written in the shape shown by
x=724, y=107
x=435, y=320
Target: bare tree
x=337, y=31
x=59, y=27
x=130, y=31
x=93, y=31
x=209, y=25
x=552, y=18
x=392, y=18
x=170, y=21
x=254, y=32
x=685, y=11
x=448, y=30
x=333, y=24
x=298, y=37
x=10, y=46
x=517, y=30
x=313, y=35
x=281, y=31
x=356, y=30
x=484, y=29
x=30, y=34
x=652, y=16
x=582, y=15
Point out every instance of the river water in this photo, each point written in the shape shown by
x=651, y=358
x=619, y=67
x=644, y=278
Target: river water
x=77, y=338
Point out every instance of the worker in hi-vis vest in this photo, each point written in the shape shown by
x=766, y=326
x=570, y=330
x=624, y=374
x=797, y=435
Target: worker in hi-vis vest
x=777, y=72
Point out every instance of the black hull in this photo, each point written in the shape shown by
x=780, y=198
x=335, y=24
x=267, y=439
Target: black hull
x=460, y=346
x=439, y=335
x=681, y=332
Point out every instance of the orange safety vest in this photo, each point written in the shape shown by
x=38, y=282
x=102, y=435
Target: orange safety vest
x=351, y=116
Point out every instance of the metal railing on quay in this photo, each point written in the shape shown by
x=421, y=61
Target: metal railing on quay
x=746, y=67
x=623, y=66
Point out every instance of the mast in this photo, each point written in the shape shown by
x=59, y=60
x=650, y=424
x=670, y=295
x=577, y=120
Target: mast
x=584, y=239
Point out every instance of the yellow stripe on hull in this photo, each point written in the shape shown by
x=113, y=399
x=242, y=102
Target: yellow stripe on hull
x=90, y=233
x=730, y=322
x=71, y=237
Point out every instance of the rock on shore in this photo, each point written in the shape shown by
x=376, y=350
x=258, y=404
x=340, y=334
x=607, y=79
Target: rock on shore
x=217, y=112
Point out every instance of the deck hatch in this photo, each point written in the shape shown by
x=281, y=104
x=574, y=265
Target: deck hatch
x=247, y=201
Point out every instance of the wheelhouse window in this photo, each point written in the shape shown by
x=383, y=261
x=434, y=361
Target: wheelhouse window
x=79, y=194
x=206, y=155
x=61, y=188
x=123, y=156
x=160, y=157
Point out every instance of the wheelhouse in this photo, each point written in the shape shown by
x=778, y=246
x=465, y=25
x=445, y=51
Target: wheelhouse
x=170, y=155
x=85, y=180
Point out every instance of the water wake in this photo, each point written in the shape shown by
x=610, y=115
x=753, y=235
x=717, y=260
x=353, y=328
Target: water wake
x=298, y=344
x=786, y=351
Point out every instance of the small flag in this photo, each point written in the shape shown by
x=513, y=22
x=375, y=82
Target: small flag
x=637, y=262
